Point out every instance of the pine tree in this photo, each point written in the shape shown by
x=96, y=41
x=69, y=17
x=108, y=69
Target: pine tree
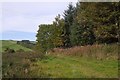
x=82, y=29
x=68, y=18
x=107, y=15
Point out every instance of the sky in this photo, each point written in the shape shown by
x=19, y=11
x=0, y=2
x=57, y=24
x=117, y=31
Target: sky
x=18, y=17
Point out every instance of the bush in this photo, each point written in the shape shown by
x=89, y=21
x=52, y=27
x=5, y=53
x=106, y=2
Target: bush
x=8, y=50
x=18, y=65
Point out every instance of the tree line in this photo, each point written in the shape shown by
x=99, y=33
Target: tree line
x=87, y=23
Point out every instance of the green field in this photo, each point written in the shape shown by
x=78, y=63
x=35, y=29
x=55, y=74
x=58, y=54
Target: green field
x=74, y=67
x=12, y=45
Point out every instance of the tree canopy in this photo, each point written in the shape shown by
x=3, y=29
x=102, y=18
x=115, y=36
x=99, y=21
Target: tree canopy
x=86, y=24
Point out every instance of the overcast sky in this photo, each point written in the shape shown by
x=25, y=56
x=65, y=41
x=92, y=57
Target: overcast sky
x=26, y=16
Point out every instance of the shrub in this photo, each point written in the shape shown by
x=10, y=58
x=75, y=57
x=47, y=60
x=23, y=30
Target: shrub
x=18, y=65
x=8, y=50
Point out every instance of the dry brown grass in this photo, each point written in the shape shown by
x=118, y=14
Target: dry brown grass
x=109, y=51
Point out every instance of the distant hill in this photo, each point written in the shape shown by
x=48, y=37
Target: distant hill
x=27, y=43
x=12, y=45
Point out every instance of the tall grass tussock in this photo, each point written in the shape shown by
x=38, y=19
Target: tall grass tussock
x=101, y=51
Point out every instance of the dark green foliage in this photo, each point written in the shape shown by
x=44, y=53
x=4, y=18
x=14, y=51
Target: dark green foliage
x=107, y=19
x=95, y=22
x=68, y=17
x=82, y=27
x=85, y=24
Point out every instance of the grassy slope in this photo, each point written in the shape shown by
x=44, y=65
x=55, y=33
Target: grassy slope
x=60, y=65
x=74, y=67
x=11, y=45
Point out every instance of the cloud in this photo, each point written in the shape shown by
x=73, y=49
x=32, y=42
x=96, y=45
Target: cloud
x=26, y=16
x=26, y=24
x=33, y=9
x=20, y=20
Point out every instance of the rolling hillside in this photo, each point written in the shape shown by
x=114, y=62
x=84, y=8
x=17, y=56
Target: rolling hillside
x=12, y=45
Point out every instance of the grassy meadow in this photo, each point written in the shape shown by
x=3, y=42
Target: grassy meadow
x=96, y=61
x=12, y=45
x=74, y=67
